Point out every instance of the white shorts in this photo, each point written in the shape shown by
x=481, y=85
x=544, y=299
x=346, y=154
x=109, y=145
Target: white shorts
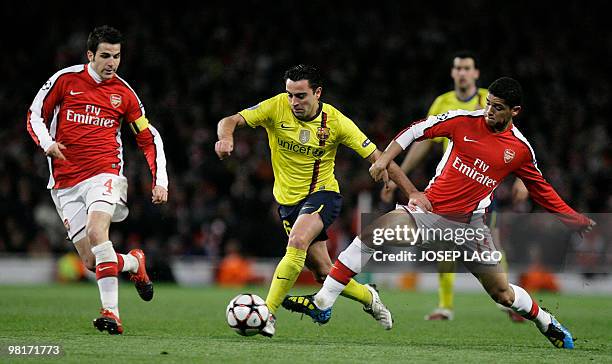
x=438, y=232
x=106, y=192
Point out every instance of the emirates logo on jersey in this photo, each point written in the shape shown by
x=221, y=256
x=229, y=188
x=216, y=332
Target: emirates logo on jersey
x=508, y=155
x=115, y=100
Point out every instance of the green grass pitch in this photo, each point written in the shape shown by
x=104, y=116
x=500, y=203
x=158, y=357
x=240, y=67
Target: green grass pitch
x=188, y=325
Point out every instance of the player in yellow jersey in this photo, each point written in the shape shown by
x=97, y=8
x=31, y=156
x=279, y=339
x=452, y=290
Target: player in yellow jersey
x=304, y=134
x=465, y=96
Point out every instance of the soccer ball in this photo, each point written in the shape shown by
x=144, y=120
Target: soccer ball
x=247, y=314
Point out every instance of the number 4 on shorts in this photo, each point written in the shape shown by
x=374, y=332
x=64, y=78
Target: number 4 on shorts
x=109, y=186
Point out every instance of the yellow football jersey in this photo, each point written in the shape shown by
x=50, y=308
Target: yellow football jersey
x=303, y=152
x=449, y=101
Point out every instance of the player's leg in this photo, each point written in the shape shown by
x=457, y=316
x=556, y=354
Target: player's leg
x=446, y=281
x=512, y=315
x=495, y=281
x=303, y=232
x=351, y=260
x=125, y=262
x=319, y=263
x=108, y=193
x=356, y=255
x=305, y=229
x=98, y=224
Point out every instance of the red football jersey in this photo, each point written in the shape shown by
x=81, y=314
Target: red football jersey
x=76, y=108
x=475, y=163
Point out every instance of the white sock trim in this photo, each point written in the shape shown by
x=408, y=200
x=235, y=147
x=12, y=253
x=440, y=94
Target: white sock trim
x=326, y=297
x=109, y=293
x=356, y=255
x=104, y=252
x=522, y=304
x=130, y=263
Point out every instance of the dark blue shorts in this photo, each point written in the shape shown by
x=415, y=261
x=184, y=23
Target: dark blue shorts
x=326, y=203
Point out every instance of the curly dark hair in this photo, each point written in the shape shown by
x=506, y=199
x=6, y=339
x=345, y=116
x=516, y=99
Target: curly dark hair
x=507, y=89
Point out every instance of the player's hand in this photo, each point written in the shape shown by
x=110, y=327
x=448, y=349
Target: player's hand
x=224, y=148
x=588, y=228
x=159, y=195
x=55, y=151
x=419, y=199
x=379, y=172
x=387, y=192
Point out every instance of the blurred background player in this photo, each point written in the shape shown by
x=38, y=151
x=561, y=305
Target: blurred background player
x=76, y=118
x=304, y=135
x=466, y=95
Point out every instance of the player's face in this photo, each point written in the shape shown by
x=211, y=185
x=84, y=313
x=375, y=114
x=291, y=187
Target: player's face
x=464, y=73
x=106, y=60
x=304, y=100
x=498, y=114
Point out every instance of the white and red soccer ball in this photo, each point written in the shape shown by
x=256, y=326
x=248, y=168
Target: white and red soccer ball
x=247, y=314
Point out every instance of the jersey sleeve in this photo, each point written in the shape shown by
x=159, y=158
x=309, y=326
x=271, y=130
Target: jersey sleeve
x=441, y=125
x=150, y=143
x=134, y=109
x=148, y=139
x=43, y=110
x=263, y=113
x=354, y=138
x=545, y=195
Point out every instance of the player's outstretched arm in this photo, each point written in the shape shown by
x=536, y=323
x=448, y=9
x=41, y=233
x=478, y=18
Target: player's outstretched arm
x=544, y=194
x=416, y=154
x=396, y=174
x=225, y=133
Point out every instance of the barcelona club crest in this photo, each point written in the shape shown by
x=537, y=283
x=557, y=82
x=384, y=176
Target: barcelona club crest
x=304, y=136
x=115, y=100
x=322, y=133
x=508, y=155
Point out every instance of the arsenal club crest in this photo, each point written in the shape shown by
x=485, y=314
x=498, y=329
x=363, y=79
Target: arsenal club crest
x=322, y=133
x=115, y=100
x=508, y=155
x=304, y=136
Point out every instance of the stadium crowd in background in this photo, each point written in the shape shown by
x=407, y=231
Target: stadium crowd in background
x=383, y=66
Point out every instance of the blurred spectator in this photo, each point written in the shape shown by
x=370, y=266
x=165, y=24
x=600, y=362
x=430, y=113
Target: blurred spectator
x=235, y=270
x=537, y=277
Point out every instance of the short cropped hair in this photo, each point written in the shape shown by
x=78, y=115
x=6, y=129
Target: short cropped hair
x=103, y=34
x=305, y=72
x=467, y=54
x=507, y=89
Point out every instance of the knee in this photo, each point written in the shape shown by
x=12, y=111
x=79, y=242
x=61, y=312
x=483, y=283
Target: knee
x=503, y=296
x=298, y=241
x=96, y=234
